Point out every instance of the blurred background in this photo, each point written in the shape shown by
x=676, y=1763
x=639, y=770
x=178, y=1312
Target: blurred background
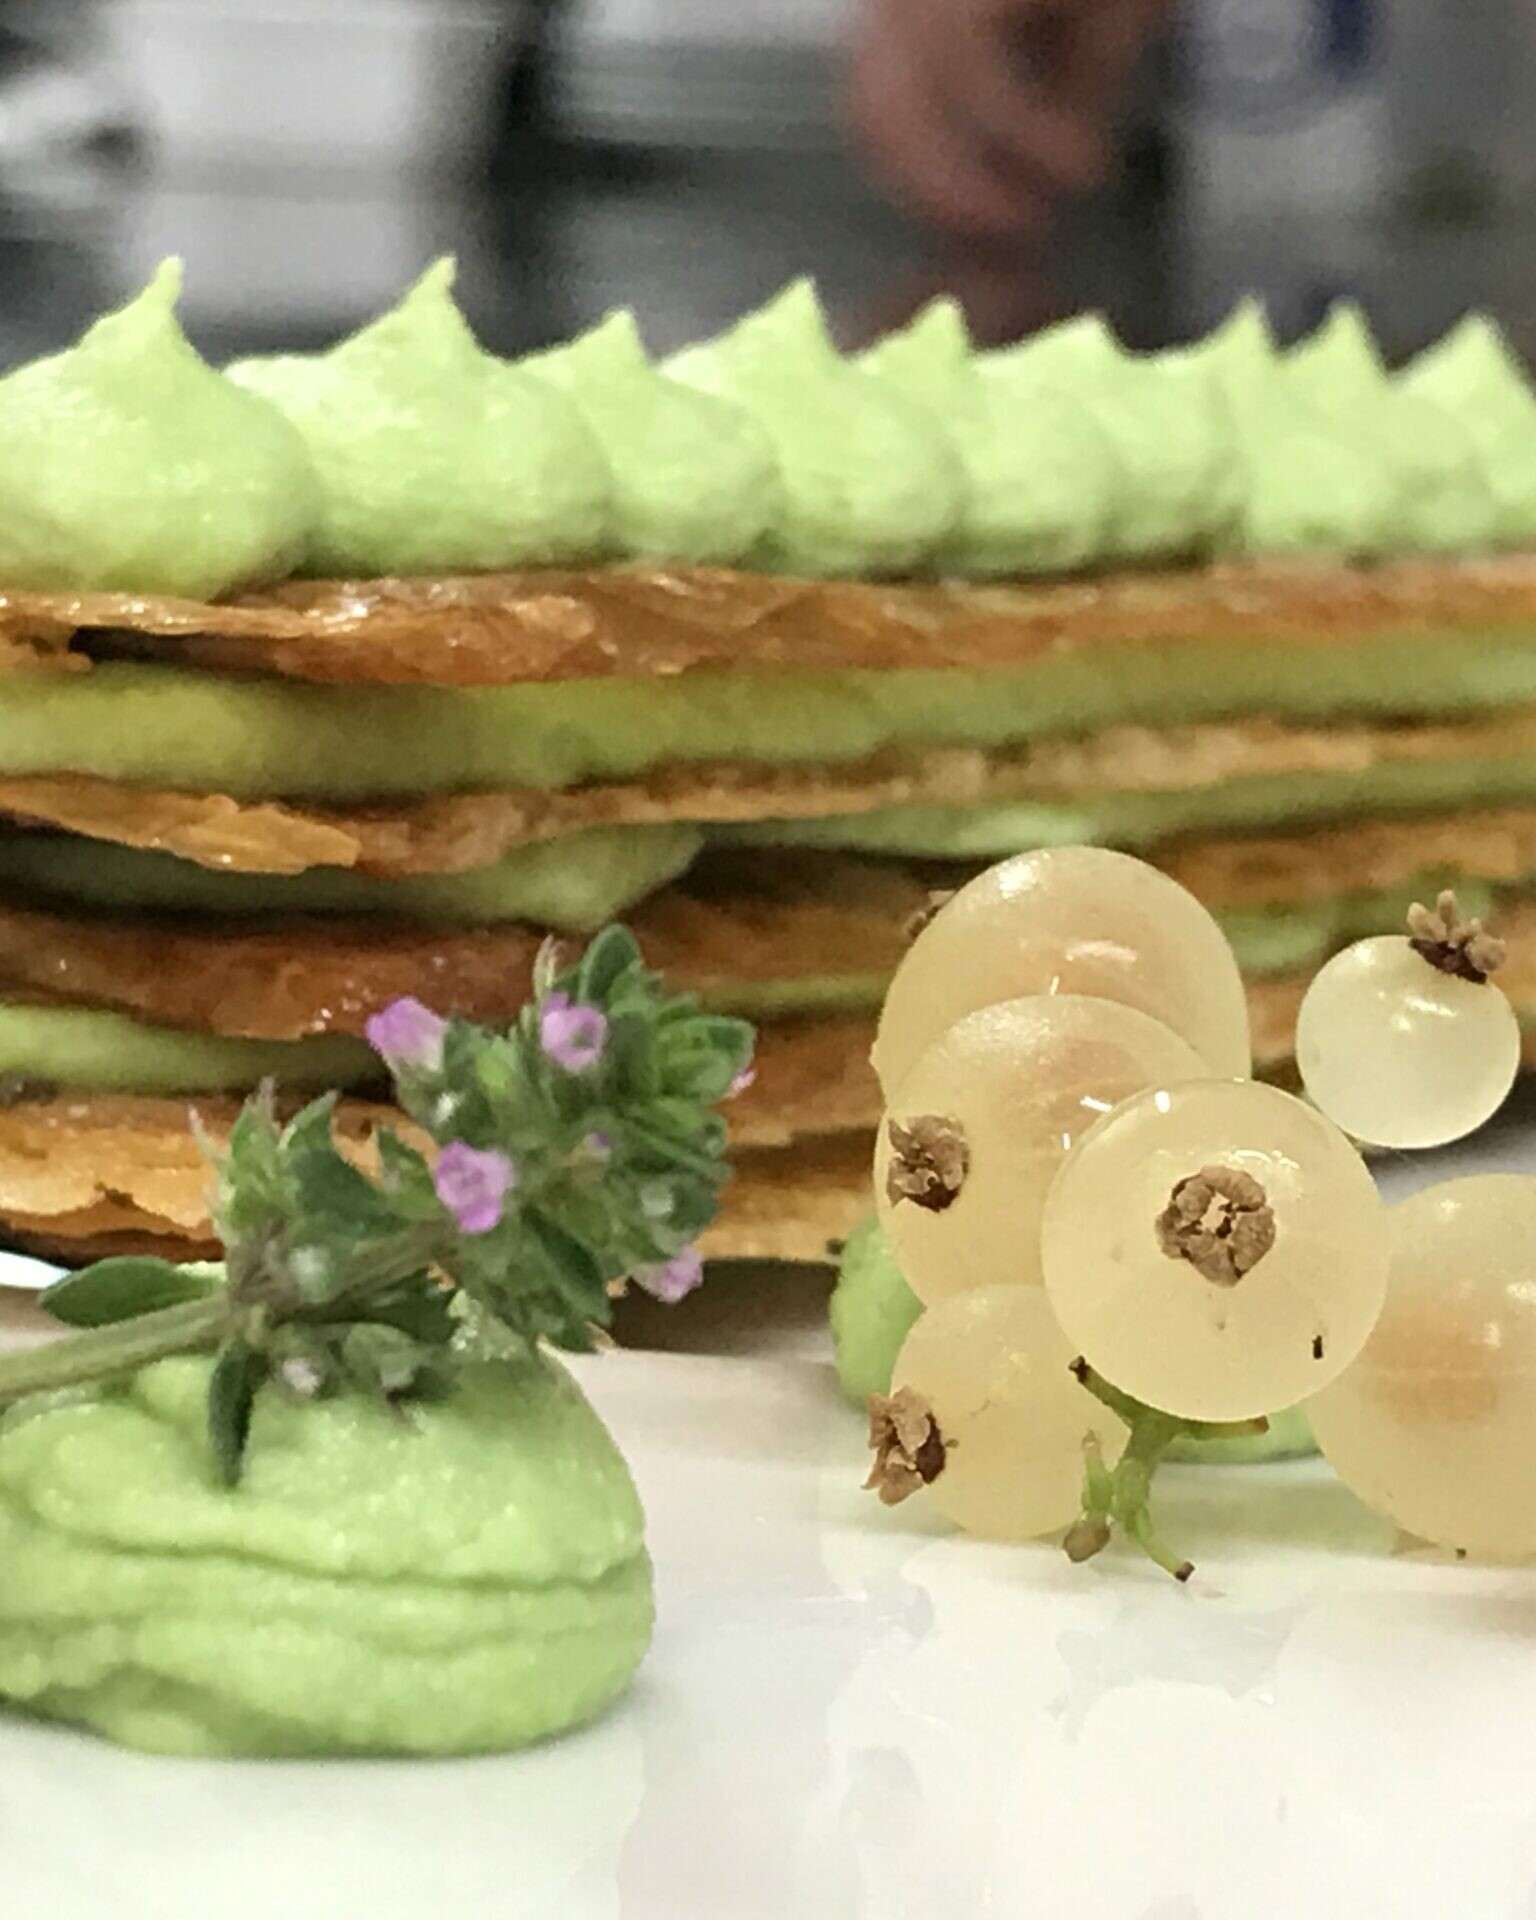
x=307, y=157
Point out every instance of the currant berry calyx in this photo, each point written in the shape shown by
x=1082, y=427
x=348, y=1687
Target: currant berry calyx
x=1462, y=948
x=929, y=1161
x=910, y=1451
x=1220, y=1221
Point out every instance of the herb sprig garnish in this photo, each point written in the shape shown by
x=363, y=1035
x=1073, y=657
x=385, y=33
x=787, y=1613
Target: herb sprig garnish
x=573, y=1153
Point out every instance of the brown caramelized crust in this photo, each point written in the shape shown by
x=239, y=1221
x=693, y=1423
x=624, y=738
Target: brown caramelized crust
x=764, y=919
x=239, y=836
x=136, y=1162
x=1497, y=844
x=457, y=832
x=553, y=624
x=80, y=1179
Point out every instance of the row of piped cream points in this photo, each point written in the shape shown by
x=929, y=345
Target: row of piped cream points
x=408, y=449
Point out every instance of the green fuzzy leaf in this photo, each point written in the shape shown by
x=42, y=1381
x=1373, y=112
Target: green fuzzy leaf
x=118, y=1289
x=421, y=1308
x=251, y=1187
x=609, y=956
x=383, y=1360
x=573, y=1267
x=309, y=1131
x=498, y=1071
x=237, y=1375
x=702, y=1058
x=341, y=1200
x=407, y=1179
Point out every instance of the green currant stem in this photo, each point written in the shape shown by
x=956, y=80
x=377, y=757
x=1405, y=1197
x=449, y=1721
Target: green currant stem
x=1122, y=1495
x=105, y=1353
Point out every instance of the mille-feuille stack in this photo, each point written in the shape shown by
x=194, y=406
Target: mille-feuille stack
x=241, y=825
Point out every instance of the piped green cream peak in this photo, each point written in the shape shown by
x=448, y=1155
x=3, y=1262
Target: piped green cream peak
x=1037, y=475
x=433, y=455
x=1442, y=498
x=132, y=464
x=1308, y=485
x=872, y=484
x=694, y=476
x=1172, y=489
x=1473, y=375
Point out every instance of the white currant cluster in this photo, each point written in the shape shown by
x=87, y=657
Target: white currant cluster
x=1119, y=1237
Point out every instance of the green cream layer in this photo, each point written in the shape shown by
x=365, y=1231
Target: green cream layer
x=574, y=884
x=470, y=1579
x=115, y=1053
x=1135, y=820
x=267, y=739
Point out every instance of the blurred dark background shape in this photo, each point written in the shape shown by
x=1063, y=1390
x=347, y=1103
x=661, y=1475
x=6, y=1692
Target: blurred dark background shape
x=308, y=157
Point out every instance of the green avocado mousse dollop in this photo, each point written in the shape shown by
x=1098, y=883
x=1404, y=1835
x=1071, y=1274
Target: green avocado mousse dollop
x=469, y=1577
x=433, y=455
x=695, y=480
x=871, y=484
x=872, y=1311
x=134, y=466
x=1038, y=475
x=336, y=1495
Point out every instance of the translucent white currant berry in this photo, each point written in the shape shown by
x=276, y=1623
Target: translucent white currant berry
x=1405, y=1042
x=1068, y=920
x=1006, y=1093
x=1435, y=1423
x=1216, y=1249
x=993, y=1366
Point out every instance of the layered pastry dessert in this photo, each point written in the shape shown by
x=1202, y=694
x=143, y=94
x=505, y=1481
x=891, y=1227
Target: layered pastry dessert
x=337, y=678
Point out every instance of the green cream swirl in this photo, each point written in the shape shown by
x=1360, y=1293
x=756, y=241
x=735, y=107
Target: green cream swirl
x=433, y=455
x=871, y=484
x=132, y=465
x=1172, y=488
x=1474, y=376
x=1038, y=474
x=694, y=477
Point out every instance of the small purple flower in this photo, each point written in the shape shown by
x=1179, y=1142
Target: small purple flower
x=678, y=1277
x=472, y=1184
x=572, y=1033
x=597, y=1145
x=408, y=1034
x=742, y=1081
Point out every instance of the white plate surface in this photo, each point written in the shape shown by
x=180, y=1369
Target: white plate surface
x=847, y=1715
x=844, y=1715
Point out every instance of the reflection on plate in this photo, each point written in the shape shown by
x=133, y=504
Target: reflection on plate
x=26, y=1275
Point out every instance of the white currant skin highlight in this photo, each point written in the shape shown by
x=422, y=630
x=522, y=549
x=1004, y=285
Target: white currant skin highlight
x=1398, y=1053
x=1435, y=1424
x=1077, y=920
